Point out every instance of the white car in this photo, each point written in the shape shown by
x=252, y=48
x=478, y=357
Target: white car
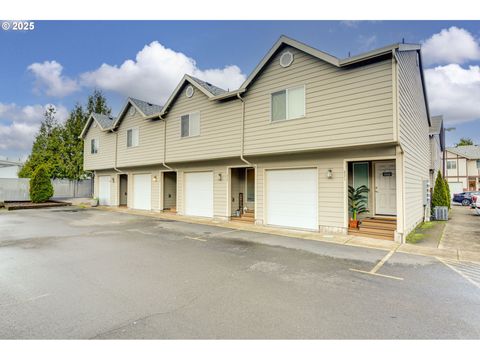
x=476, y=204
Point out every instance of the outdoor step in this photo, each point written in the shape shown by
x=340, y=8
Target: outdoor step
x=243, y=219
x=383, y=236
x=249, y=214
x=373, y=225
x=381, y=220
x=377, y=231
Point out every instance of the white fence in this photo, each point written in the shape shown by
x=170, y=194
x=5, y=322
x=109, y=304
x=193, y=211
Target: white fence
x=18, y=189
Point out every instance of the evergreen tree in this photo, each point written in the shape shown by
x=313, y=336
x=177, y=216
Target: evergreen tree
x=58, y=146
x=464, y=142
x=439, y=196
x=41, y=188
x=448, y=194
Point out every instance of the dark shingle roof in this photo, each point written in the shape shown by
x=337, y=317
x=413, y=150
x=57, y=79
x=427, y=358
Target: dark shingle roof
x=105, y=121
x=146, y=108
x=436, y=127
x=214, y=90
x=467, y=151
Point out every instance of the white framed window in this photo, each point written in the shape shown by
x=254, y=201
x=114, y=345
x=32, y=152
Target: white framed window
x=94, y=146
x=478, y=164
x=288, y=104
x=132, y=137
x=190, y=125
x=451, y=164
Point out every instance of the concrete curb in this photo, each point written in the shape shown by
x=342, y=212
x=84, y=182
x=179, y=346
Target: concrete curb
x=347, y=240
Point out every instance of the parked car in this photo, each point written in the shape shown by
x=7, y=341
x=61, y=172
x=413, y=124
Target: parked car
x=464, y=198
x=476, y=203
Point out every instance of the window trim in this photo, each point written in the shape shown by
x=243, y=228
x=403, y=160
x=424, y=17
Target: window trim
x=138, y=137
x=199, y=125
x=97, y=146
x=452, y=162
x=286, y=89
x=478, y=163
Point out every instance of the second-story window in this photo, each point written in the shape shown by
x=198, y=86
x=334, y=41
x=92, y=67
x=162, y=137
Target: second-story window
x=93, y=146
x=132, y=137
x=190, y=125
x=478, y=164
x=451, y=164
x=288, y=104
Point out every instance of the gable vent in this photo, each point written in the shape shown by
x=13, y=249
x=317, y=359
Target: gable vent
x=286, y=59
x=189, y=91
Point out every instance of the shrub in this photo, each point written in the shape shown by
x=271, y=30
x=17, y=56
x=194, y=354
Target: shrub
x=439, y=196
x=449, y=195
x=41, y=188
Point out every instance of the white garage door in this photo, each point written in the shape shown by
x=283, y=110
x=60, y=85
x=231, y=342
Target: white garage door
x=104, y=190
x=455, y=188
x=199, y=194
x=292, y=198
x=142, y=191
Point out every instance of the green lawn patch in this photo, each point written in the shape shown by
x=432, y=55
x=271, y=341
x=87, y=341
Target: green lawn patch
x=427, y=234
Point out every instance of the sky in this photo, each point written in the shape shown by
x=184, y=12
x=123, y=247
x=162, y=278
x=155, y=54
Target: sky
x=61, y=62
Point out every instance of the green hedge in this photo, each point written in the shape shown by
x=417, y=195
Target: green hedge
x=439, y=196
x=41, y=189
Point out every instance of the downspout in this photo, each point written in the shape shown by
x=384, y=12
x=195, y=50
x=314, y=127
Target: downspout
x=116, y=150
x=165, y=144
x=243, y=132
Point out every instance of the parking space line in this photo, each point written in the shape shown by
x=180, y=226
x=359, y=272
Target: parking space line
x=464, y=270
x=378, y=266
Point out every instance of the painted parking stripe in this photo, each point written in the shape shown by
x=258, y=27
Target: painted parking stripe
x=378, y=266
x=469, y=271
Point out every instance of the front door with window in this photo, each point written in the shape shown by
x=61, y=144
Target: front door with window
x=385, y=188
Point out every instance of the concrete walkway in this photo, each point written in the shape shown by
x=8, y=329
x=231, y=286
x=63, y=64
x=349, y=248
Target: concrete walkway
x=448, y=253
x=462, y=231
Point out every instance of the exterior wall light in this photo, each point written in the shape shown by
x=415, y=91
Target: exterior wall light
x=329, y=174
x=220, y=177
x=113, y=179
x=155, y=179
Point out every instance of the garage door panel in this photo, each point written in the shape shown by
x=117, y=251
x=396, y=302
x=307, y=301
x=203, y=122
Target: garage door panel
x=142, y=191
x=292, y=198
x=104, y=190
x=199, y=194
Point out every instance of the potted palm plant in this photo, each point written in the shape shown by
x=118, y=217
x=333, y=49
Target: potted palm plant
x=357, y=200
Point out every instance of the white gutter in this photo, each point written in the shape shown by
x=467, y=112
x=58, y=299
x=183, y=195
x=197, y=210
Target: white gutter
x=243, y=132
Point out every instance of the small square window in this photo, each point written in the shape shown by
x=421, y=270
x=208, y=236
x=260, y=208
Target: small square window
x=190, y=125
x=451, y=164
x=288, y=104
x=132, y=137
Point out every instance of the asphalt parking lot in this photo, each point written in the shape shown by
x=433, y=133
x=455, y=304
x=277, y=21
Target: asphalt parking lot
x=71, y=273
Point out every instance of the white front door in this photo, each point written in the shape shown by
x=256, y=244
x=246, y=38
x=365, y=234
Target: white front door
x=142, y=191
x=104, y=190
x=199, y=193
x=385, y=188
x=292, y=198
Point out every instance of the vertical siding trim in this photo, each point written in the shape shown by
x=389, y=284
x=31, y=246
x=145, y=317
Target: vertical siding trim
x=400, y=168
x=395, y=99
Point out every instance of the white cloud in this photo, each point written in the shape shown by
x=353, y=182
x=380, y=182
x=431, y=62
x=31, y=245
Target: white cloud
x=453, y=45
x=155, y=72
x=18, y=125
x=49, y=79
x=454, y=91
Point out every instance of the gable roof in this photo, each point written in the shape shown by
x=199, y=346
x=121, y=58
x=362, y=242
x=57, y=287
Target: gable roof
x=104, y=121
x=211, y=91
x=284, y=40
x=145, y=108
x=468, y=151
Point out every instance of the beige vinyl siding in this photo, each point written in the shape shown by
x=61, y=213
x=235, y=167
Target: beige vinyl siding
x=150, y=141
x=413, y=136
x=344, y=106
x=472, y=169
x=331, y=192
x=220, y=128
x=114, y=192
x=105, y=157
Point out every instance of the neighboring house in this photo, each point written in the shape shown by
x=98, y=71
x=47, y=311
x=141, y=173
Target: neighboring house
x=437, y=147
x=463, y=168
x=9, y=169
x=282, y=149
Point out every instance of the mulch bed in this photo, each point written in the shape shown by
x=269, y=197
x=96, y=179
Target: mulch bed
x=18, y=205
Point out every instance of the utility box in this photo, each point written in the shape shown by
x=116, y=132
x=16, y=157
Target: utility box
x=440, y=213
